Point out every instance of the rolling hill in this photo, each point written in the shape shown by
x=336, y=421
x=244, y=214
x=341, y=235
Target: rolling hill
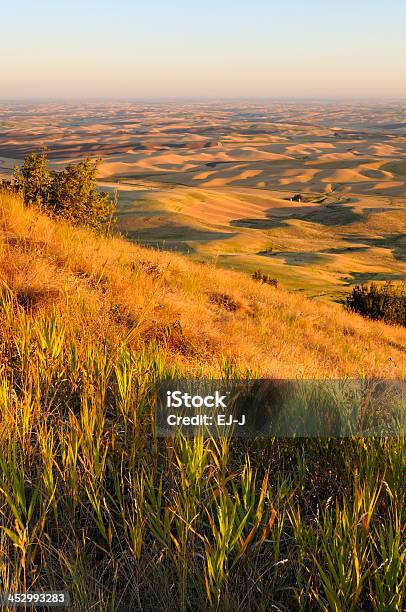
x=198, y=313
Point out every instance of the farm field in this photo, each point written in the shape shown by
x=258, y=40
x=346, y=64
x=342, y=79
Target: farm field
x=313, y=194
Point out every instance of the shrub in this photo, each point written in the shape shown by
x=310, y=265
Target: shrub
x=74, y=195
x=381, y=302
x=224, y=301
x=33, y=179
x=264, y=278
x=71, y=193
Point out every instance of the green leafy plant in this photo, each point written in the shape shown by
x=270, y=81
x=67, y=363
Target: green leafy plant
x=385, y=302
x=33, y=179
x=71, y=193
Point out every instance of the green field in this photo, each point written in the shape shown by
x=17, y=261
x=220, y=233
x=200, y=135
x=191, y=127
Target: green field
x=321, y=246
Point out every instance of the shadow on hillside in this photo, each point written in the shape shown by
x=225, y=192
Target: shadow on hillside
x=297, y=258
x=329, y=215
x=357, y=278
x=395, y=242
x=303, y=258
x=174, y=237
x=344, y=250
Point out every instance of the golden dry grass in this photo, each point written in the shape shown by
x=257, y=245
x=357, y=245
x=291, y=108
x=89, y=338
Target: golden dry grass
x=129, y=292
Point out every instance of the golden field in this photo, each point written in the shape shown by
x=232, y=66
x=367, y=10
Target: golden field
x=215, y=180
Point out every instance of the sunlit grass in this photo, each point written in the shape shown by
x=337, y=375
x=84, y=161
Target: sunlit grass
x=92, y=501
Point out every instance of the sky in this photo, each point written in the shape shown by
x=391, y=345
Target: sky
x=203, y=48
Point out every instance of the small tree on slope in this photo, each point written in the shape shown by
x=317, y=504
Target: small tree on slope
x=33, y=179
x=71, y=193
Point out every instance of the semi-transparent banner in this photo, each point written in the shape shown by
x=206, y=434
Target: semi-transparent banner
x=281, y=408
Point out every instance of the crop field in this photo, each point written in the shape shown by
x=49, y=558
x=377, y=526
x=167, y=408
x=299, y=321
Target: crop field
x=313, y=194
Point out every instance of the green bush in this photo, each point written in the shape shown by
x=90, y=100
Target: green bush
x=71, y=193
x=33, y=179
x=381, y=302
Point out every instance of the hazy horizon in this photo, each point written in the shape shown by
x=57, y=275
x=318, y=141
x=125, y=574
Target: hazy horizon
x=217, y=50
x=209, y=99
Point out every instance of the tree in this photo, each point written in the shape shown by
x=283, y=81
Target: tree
x=71, y=193
x=33, y=179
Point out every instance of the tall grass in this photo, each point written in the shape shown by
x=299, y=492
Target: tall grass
x=91, y=501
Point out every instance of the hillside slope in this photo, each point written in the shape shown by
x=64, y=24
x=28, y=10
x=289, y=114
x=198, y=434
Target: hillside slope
x=203, y=317
x=94, y=502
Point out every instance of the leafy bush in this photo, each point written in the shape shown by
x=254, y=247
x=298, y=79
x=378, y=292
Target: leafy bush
x=33, y=179
x=261, y=277
x=71, y=193
x=381, y=302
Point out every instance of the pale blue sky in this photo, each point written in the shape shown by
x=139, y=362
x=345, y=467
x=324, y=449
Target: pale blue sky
x=211, y=48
